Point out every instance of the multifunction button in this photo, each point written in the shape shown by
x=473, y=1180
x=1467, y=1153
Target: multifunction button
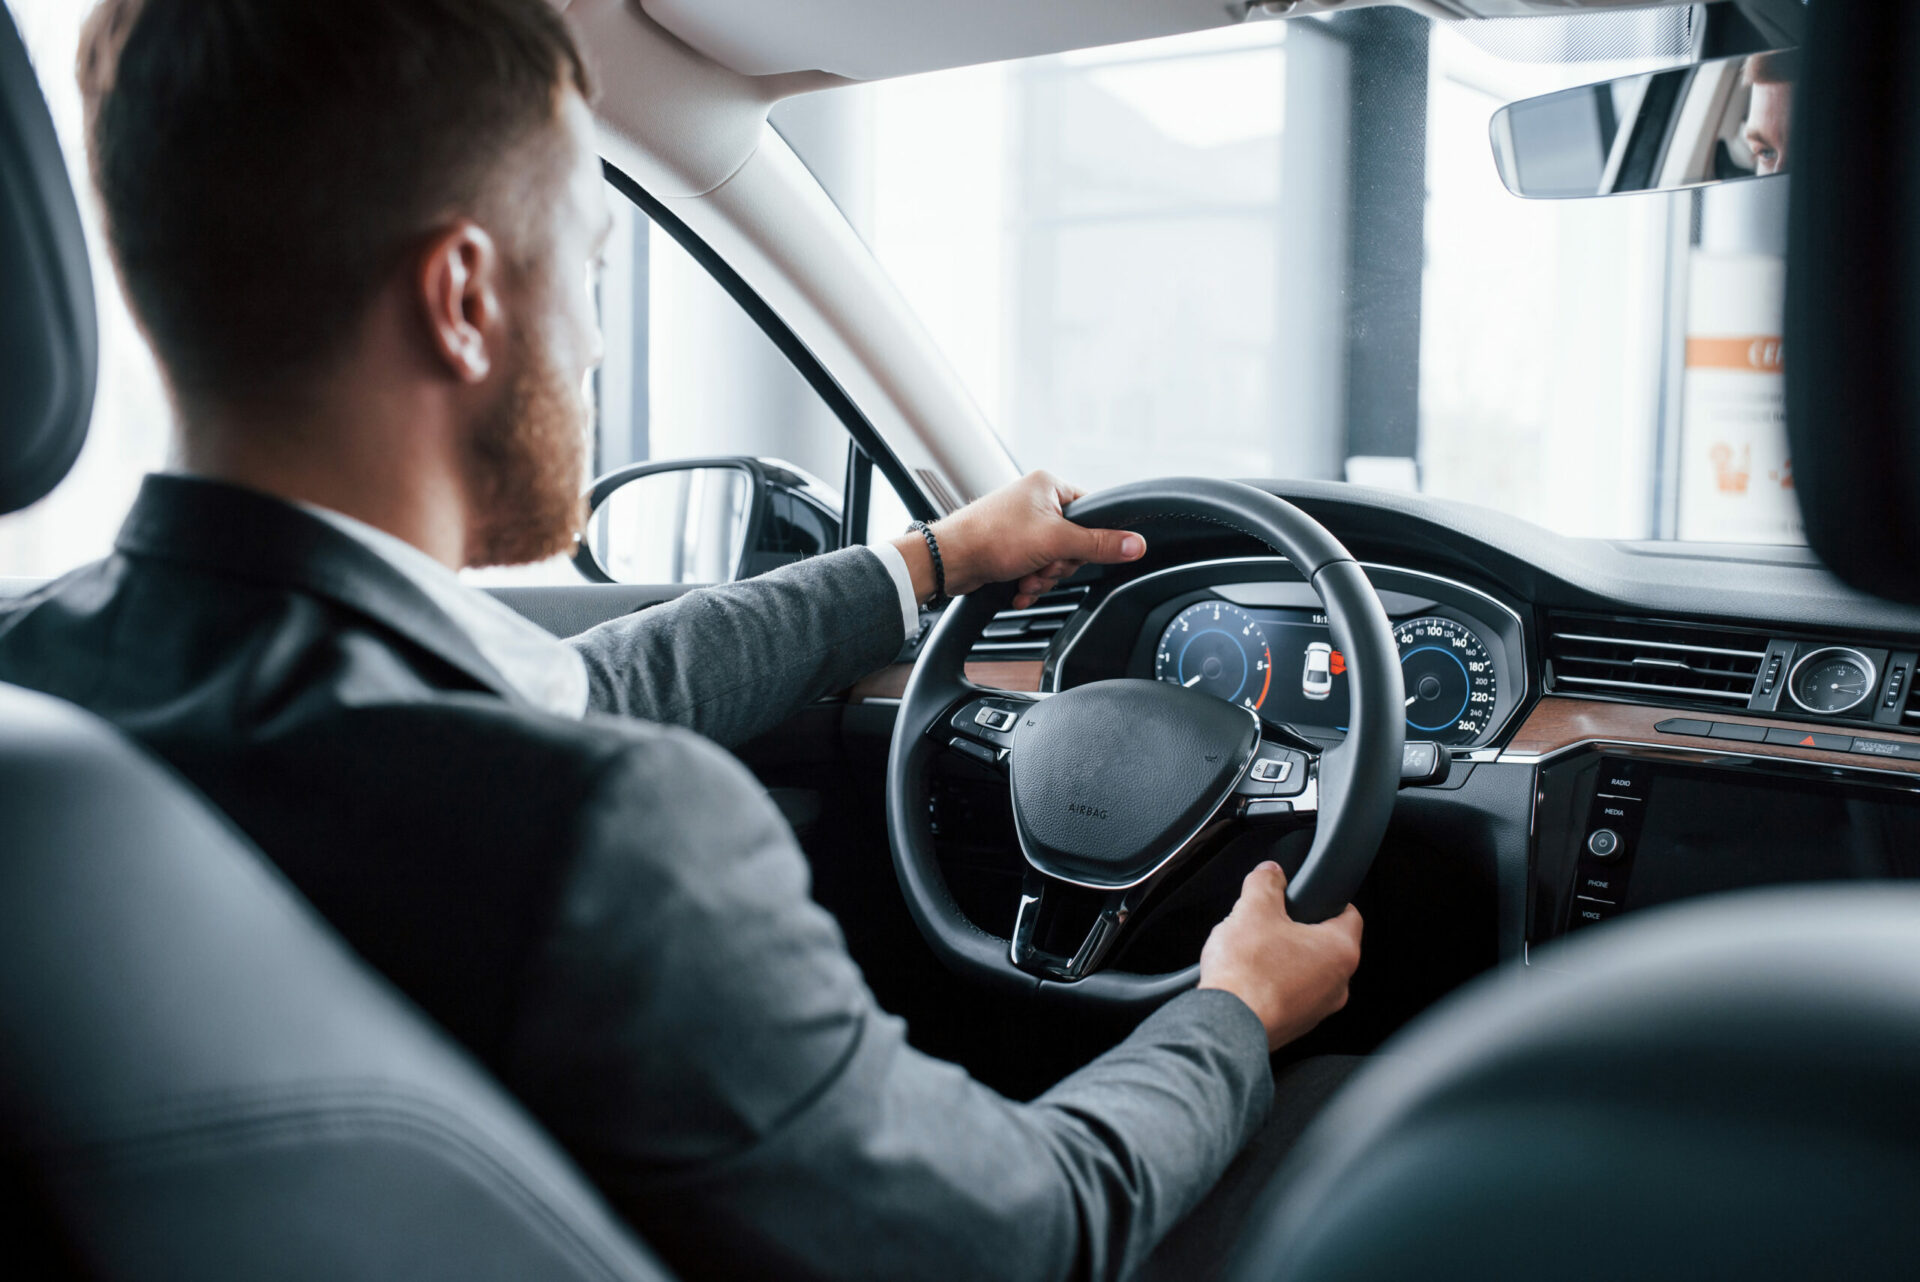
x=1781, y=736
x=995, y=718
x=1606, y=854
x=1886, y=748
x=1275, y=772
x=1810, y=739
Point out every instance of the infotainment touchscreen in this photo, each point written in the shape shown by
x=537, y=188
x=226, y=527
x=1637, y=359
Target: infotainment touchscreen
x=1703, y=831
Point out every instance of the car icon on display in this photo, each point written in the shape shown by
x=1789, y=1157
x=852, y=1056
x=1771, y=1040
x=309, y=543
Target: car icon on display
x=1316, y=679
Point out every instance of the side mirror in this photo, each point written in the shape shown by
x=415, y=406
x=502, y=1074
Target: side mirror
x=704, y=520
x=1698, y=126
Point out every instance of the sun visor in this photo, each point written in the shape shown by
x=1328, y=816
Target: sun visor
x=1853, y=295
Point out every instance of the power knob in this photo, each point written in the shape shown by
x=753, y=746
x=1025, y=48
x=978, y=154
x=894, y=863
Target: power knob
x=1604, y=843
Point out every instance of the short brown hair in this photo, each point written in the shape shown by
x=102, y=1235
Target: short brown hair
x=264, y=164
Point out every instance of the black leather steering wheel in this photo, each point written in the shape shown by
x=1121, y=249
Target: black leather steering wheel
x=1118, y=784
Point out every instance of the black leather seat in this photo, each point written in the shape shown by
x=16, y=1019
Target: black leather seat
x=1724, y=1090
x=197, y=1079
x=1729, y=1089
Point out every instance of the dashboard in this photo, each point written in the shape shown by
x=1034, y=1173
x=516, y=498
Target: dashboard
x=1630, y=724
x=1250, y=631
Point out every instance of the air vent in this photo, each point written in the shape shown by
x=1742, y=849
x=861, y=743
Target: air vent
x=1026, y=634
x=1703, y=667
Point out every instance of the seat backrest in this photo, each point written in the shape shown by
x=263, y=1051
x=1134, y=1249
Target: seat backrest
x=205, y=1083
x=1853, y=294
x=1724, y=1088
x=49, y=336
x=198, y=1080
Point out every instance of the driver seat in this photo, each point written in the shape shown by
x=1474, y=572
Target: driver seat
x=198, y=1080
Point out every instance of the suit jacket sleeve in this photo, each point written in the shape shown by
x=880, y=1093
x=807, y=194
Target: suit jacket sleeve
x=736, y=660
x=695, y=1031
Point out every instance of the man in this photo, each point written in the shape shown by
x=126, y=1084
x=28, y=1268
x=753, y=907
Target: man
x=1772, y=77
x=358, y=234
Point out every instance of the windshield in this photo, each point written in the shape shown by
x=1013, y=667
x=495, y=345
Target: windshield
x=1284, y=250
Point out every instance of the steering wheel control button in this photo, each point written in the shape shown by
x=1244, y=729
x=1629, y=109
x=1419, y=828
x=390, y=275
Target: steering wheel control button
x=1271, y=770
x=1275, y=772
x=1268, y=809
x=978, y=751
x=1810, y=739
x=1741, y=733
x=1603, y=843
x=986, y=721
x=995, y=718
x=1684, y=725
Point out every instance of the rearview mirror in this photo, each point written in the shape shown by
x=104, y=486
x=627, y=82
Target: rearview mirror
x=711, y=520
x=1697, y=126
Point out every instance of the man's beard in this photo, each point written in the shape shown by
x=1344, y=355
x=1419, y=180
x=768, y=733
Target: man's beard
x=526, y=466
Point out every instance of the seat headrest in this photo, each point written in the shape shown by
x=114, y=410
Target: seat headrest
x=1853, y=296
x=49, y=337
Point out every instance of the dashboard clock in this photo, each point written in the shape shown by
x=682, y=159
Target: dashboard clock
x=1832, y=680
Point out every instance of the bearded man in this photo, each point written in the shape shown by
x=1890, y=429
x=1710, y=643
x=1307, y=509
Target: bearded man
x=359, y=236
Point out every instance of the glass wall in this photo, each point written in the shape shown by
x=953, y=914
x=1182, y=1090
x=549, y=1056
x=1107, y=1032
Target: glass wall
x=1283, y=250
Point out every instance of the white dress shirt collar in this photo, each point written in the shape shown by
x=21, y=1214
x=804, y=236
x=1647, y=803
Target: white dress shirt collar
x=543, y=670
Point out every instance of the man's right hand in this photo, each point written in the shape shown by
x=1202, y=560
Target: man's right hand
x=1293, y=976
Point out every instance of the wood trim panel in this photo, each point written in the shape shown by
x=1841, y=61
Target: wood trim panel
x=891, y=683
x=1558, y=722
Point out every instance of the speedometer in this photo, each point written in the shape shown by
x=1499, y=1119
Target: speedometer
x=1451, y=687
x=1219, y=650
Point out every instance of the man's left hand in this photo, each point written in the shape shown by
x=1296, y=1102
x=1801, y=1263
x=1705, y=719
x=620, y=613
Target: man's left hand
x=1019, y=531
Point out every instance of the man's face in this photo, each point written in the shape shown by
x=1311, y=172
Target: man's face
x=1768, y=120
x=527, y=457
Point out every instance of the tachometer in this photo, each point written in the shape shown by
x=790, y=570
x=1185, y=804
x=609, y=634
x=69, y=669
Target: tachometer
x=1218, y=649
x=1451, y=688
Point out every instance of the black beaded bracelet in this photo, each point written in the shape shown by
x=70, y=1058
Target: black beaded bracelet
x=940, y=597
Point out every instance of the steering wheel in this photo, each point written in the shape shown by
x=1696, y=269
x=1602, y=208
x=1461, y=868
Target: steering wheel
x=1117, y=785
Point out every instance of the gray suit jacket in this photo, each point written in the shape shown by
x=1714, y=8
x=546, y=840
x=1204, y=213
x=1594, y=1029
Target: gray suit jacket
x=612, y=914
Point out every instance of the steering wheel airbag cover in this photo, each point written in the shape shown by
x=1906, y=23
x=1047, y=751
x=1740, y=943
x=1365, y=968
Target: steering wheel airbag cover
x=1111, y=779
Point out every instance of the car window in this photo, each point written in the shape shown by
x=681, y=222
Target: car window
x=1283, y=250
x=687, y=374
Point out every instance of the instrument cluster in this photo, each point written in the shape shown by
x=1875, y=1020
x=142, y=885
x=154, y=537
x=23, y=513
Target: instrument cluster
x=1262, y=641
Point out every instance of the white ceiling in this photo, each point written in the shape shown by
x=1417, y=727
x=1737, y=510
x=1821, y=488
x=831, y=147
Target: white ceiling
x=871, y=39
x=874, y=39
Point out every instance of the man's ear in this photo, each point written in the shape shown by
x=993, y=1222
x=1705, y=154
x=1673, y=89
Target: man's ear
x=459, y=290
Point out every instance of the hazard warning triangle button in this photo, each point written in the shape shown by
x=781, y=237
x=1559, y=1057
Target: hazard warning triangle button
x=1810, y=739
